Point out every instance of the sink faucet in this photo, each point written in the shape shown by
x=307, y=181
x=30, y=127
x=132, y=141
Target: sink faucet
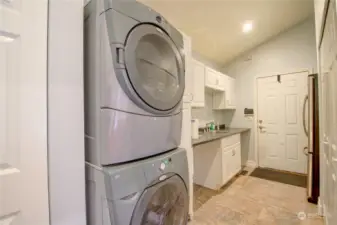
x=207, y=128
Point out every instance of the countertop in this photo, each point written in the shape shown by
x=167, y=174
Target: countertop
x=215, y=136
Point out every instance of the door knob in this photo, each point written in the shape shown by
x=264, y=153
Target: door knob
x=261, y=127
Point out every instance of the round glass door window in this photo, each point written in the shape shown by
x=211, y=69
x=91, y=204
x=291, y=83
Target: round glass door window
x=163, y=204
x=155, y=67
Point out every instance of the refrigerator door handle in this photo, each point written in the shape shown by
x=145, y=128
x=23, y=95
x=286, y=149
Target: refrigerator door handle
x=303, y=115
x=306, y=151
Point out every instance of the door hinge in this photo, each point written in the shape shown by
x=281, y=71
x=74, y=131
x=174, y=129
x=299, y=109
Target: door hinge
x=279, y=78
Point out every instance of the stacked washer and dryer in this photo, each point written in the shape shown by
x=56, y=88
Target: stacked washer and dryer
x=134, y=83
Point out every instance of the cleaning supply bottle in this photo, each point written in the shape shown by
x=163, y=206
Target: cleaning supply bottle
x=212, y=127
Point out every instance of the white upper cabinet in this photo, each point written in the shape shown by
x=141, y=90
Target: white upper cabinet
x=226, y=99
x=221, y=82
x=198, y=77
x=214, y=79
x=230, y=93
x=211, y=78
x=194, y=77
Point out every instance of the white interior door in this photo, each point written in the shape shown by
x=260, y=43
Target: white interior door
x=281, y=137
x=23, y=113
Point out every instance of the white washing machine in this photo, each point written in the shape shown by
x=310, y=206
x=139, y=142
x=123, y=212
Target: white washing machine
x=134, y=82
x=152, y=191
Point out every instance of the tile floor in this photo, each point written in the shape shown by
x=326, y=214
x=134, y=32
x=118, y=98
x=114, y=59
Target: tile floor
x=253, y=201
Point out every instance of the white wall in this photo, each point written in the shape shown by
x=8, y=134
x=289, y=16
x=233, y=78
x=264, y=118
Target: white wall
x=205, y=60
x=319, y=9
x=65, y=113
x=291, y=51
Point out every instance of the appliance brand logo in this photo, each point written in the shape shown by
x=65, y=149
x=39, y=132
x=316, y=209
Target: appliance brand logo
x=304, y=216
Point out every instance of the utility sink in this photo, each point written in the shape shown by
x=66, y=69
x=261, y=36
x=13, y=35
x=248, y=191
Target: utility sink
x=213, y=133
x=222, y=131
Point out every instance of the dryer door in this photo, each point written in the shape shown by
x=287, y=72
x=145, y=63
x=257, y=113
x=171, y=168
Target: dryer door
x=165, y=203
x=155, y=68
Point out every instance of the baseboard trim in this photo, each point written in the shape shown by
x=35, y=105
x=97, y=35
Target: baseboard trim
x=251, y=163
x=326, y=222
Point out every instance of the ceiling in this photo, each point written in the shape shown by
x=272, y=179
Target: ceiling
x=215, y=26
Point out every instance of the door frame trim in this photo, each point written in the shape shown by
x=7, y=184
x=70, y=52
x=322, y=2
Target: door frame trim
x=255, y=121
x=66, y=138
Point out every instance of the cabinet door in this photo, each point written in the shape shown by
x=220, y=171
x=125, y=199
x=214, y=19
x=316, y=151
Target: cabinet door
x=227, y=93
x=227, y=164
x=221, y=81
x=237, y=158
x=198, y=84
x=232, y=92
x=211, y=78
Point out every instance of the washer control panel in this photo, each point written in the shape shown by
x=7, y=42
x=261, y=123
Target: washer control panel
x=165, y=163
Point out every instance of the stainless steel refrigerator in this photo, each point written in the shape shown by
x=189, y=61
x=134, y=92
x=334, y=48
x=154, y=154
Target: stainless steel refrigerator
x=311, y=128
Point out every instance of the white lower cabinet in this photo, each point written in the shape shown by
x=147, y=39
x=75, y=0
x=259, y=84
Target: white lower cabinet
x=227, y=164
x=217, y=162
x=231, y=161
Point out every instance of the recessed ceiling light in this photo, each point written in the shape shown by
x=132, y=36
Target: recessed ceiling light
x=247, y=27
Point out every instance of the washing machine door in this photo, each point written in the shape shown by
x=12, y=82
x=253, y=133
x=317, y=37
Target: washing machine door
x=154, y=68
x=165, y=203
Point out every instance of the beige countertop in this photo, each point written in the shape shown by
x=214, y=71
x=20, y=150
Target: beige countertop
x=207, y=137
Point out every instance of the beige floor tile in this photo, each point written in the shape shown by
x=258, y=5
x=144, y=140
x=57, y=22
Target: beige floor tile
x=253, y=201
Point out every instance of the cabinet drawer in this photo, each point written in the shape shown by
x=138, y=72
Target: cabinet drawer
x=231, y=140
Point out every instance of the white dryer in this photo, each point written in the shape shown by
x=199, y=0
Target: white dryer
x=134, y=82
